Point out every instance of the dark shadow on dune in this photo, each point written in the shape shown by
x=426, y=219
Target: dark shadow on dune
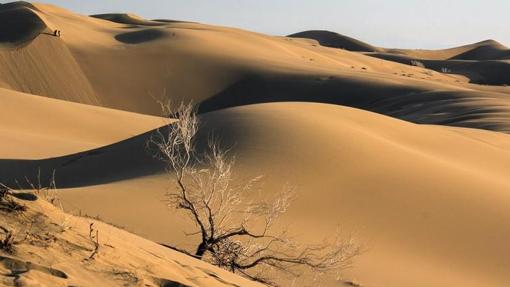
x=406, y=103
x=138, y=37
x=18, y=4
x=123, y=160
x=126, y=19
x=335, y=40
x=19, y=24
x=128, y=159
x=263, y=88
x=169, y=283
x=485, y=50
x=484, y=72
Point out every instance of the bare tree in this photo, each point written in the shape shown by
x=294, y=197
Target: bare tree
x=236, y=233
x=94, y=238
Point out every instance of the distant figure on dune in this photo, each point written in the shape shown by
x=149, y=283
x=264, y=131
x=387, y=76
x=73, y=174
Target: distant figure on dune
x=56, y=33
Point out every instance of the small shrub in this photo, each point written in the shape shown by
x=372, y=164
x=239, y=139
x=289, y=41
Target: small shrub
x=445, y=70
x=417, y=63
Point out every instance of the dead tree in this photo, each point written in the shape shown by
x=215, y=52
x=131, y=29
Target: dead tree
x=94, y=238
x=235, y=232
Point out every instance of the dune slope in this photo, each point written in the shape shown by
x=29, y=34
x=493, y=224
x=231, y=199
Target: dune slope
x=335, y=40
x=46, y=67
x=35, y=127
x=413, y=202
x=127, y=19
x=54, y=249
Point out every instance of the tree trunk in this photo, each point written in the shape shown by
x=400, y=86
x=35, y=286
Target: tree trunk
x=201, y=250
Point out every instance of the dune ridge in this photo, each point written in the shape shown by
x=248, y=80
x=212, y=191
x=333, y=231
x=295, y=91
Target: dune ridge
x=38, y=127
x=127, y=18
x=485, y=50
x=335, y=40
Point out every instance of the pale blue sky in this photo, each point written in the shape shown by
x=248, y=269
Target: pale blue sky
x=391, y=23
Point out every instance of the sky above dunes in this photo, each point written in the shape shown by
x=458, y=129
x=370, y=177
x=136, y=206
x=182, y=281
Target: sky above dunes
x=395, y=23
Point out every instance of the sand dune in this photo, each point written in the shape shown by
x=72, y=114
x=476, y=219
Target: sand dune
x=488, y=50
x=19, y=24
x=365, y=176
x=335, y=40
x=429, y=201
x=490, y=72
x=35, y=127
x=229, y=63
x=46, y=67
x=60, y=248
x=485, y=50
x=127, y=19
x=482, y=62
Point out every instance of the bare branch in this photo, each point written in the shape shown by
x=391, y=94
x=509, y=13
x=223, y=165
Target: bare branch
x=224, y=214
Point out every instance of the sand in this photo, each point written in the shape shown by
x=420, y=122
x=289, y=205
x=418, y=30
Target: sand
x=57, y=249
x=391, y=182
x=412, y=160
x=35, y=127
x=484, y=62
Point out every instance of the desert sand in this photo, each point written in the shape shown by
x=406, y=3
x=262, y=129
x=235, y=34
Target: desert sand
x=412, y=159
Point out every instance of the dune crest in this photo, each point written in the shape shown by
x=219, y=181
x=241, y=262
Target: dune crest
x=127, y=18
x=335, y=40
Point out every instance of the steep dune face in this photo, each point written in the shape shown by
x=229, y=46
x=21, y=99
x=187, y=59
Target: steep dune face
x=34, y=61
x=46, y=67
x=391, y=182
x=35, y=127
x=485, y=50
